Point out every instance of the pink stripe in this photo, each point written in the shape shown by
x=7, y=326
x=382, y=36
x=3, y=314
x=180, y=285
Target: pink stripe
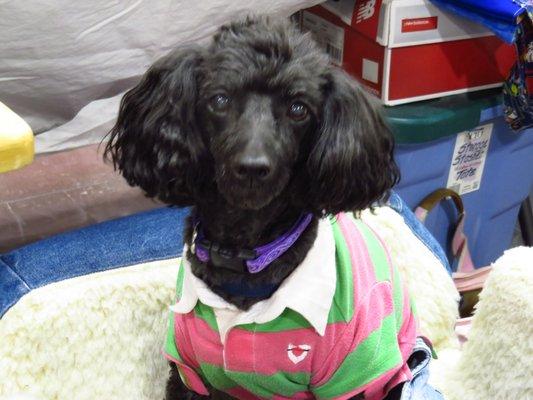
x=409, y=329
x=336, y=345
x=459, y=236
x=465, y=263
x=196, y=341
x=193, y=380
x=170, y=358
x=460, y=247
x=247, y=351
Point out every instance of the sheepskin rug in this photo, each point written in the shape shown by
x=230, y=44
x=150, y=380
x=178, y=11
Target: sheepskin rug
x=93, y=337
x=497, y=360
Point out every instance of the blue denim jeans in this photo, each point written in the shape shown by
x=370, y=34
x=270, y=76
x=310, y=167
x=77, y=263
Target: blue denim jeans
x=397, y=204
x=418, y=388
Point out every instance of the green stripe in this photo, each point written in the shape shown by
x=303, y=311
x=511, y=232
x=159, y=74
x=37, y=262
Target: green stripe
x=398, y=298
x=376, y=251
x=374, y=356
x=206, y=313
x=179, y=283
x=342, y=308
x=288, y=320
x=170, y=344
x=216, y=377
x=282, y=383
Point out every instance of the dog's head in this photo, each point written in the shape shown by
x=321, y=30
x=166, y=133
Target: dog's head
x=258, y=113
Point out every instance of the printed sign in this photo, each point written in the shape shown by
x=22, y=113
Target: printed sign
x=330, y=36
x=420, y=24
x=468, y=161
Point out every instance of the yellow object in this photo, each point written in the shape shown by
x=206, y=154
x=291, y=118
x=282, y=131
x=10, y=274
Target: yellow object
x=16, y=141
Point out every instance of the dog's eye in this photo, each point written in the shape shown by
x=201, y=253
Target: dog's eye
x=298, y=111
x=219, y=103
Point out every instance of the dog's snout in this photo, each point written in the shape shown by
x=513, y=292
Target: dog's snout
x=253, y=167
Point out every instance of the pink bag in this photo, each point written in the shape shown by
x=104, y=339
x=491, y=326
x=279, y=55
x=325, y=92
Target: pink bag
x=468, y=280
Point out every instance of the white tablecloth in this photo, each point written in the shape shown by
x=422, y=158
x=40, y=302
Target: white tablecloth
x=64, y=64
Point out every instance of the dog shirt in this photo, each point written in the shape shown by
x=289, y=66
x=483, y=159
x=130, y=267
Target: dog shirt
x=341, y=324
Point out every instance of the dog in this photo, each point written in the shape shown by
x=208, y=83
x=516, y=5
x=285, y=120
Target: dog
x=278, y=289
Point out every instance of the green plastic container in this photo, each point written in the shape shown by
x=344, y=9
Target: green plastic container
x=433, y=119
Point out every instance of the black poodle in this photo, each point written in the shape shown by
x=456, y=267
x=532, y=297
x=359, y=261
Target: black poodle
x=262, y=136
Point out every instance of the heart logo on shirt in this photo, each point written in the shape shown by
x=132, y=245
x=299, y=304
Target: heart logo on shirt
x=297, y=353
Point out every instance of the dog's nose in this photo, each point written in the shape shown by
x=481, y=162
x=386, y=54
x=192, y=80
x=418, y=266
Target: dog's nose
x=258, y=168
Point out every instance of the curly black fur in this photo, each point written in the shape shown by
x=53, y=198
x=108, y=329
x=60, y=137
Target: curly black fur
x=172, y=141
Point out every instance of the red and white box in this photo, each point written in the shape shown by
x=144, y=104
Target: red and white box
x=409, y=50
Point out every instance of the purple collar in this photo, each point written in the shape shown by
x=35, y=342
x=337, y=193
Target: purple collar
x=252, y=260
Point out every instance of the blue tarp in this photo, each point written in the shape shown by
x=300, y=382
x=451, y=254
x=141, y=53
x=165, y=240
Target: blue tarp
x=500, y=16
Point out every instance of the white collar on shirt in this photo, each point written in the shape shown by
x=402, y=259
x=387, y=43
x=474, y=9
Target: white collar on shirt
x=308, y=290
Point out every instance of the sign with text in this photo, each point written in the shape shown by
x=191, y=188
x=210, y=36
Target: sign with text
x=420, y=24
x=468, y=161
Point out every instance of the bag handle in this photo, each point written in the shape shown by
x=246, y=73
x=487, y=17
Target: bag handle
x=459, y=241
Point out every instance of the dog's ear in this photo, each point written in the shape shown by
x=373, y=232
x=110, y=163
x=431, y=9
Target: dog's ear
x=155, y=142
x=351, y=164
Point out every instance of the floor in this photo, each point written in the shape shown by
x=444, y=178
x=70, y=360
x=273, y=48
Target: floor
x=63, y=191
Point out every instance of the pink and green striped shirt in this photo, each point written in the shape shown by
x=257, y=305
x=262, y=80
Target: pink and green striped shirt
x=341, y=324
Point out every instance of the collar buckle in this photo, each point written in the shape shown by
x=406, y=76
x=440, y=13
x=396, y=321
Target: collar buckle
x=228, y=258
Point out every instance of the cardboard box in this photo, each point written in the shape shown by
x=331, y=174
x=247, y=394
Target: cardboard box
x=409, y=50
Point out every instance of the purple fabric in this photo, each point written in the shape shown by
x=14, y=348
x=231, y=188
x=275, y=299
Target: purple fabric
x=268, y=252
x=201, y=252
